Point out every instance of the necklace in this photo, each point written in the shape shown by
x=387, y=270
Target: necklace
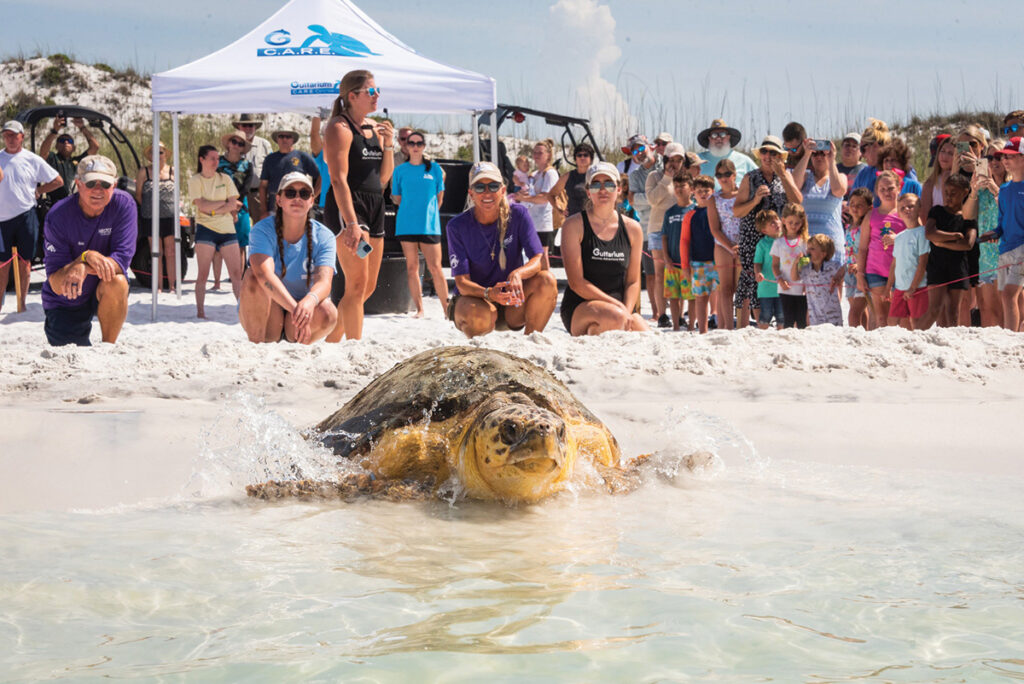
x=494, y=246
x=791, y=244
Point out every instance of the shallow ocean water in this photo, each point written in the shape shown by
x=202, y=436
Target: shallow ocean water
x=749, y=571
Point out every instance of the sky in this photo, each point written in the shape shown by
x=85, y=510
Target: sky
x=629, y=65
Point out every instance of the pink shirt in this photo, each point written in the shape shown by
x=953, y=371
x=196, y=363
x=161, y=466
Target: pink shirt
x=879, y=257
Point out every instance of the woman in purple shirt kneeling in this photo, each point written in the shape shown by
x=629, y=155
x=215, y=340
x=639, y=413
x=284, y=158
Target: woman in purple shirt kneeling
x=494, y=288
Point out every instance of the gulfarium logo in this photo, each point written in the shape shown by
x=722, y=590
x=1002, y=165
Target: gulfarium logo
x=320, y=42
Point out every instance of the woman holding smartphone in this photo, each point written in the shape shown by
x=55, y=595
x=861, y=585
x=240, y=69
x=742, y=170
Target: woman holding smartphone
x=360, y=156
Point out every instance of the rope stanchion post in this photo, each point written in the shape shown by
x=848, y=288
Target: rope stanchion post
x=16, y=266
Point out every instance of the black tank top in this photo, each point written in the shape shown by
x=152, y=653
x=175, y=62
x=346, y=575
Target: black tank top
x=364, y=159
x=605, y=262
x=576, y=192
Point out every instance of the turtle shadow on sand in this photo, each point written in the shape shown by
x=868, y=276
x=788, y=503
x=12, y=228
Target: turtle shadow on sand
x=469, y=423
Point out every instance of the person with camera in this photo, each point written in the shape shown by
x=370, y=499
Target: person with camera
x=494, y=288
x=823, y=188
x=63, y=157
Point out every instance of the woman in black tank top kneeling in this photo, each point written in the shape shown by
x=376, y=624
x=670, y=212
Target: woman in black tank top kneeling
x=361, y=164
x=601, y=250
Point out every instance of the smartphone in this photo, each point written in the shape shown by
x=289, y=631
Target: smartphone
x=962, y=147
x=981, y=167
x=822, y=145
x=363, y=249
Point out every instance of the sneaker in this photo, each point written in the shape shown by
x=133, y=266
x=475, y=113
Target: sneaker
x=712, y=322
x=664, y=321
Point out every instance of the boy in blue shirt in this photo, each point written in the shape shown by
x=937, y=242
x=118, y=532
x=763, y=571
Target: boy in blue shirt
x=770, y=226
x=907, y=273
x=677, y=283
x=700, y=246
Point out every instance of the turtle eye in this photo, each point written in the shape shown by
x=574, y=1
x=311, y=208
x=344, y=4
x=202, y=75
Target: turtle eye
x=509, y=432
x=561, y=433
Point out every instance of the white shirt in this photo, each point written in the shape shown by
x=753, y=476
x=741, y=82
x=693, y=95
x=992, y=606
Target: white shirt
x=22, y=173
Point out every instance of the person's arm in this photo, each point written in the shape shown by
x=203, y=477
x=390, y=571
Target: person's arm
x=140, y=179
x=837, y=181
x=631, y=295
x=51, y=135
x=94, y=146
x=919, y=273
x=316, y=143
x=799, y=173
x=658, y=188
x=57, y=182
x=540, y=196
x=926, y=199
x=794, y=271
x=741, y=209
x=777, y=272
x=264, y=184
x=559, y=185
x=716, y=227
x=758, y=272
x=793, y=193
x=572, y=259
x=386, y=132
x=263, y=268
x=942, y=238
x=664, y=240
x=891, y=280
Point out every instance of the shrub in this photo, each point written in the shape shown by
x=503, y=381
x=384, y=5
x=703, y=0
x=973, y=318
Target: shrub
x=60, y=59
x=465, y=153
x=53, y=75
x=21, y=100
x=106, y=68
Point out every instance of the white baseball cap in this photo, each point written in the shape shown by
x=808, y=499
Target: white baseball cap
x=15, y=126
x=295, y=177
x=484, y=170
x=97, y=167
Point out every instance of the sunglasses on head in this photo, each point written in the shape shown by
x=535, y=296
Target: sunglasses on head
x=1013, y=128
x=103, y=184
x=372, y=92
x=292, y=193
x=603, y=185
x=492, y=186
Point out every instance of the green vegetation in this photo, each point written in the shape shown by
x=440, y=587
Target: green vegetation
x=465, y=153
x=53, y=75
x=106, y=68
x=60, y=59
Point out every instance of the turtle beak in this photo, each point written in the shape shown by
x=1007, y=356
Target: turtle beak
x=539, y=450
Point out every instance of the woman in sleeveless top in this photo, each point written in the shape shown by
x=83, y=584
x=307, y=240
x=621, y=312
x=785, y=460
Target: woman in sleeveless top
x=574, y=182
x=725, y=228
x=360, y=164
x=601, y=250
x=768, y=187
x=537, y=197
x=931, y=192
x=167, y=216
x=823, y=188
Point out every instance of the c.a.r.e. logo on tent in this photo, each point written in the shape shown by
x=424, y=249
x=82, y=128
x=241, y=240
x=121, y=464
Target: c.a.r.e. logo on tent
x=320, y=42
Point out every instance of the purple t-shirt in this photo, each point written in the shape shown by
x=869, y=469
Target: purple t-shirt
x=470, y=246
x=68, y=232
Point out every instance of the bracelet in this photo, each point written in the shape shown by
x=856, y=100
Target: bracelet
x=83, y=256
x=487, y=294
x=213, y=213
x=315, y=296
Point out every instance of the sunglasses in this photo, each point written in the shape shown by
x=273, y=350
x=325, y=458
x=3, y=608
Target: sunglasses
x=718, y=135
x=416, y=143
x=770, y=153
x=582, y=155
x=372, y=92
x=292, y=193
x=1011, y=129
x=493, y=186
x=994, y=157
x=233, y=141
x=794, y=150
x=70, y=141
x=247, y=125
x=638, y=149
x=603, y=185
x=103, y=184
x=724, y=174
x=402, y=140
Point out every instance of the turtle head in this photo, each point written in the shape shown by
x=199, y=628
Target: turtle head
x=515, y=450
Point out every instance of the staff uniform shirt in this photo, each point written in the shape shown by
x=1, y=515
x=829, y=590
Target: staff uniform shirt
x=217, y=188
x=263, y=240
x=470, y=245
x=418, y=214
x=68, y=232
x=22, y=173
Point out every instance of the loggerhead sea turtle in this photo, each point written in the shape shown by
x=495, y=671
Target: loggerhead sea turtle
x=505, y=428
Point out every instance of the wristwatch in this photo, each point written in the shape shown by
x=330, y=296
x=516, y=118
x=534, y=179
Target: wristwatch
x=487, y=294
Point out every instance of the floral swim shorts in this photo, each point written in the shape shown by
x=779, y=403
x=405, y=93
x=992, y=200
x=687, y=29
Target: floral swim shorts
x=705, y=277
x=676, y=287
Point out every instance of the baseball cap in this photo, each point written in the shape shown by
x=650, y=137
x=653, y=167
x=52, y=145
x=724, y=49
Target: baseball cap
x=853, y=135
x=637, y=139
x=1012, y=146
x=675, y=150
x=97, y=167
x=602, y=168
x=484, y=171
x=15, y=126
x=295, y=177
x=663, y=137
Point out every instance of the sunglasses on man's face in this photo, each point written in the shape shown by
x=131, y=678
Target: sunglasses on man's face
x=493, y=186
x=1012, y=128
x=603, y=185
x=792, y=150
x=292, y=193
x=103, y=184
x=582, y=155
x=718, y=135
x=68, y=141
x=247, y=125
x=638, y=149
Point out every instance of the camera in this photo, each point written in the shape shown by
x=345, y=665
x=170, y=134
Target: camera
x=822, y=145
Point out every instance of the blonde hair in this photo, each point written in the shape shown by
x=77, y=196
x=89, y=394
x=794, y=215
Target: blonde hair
x=350, y=82
x=937, y=168
x=876, y=132
x=794, y=209
x=549, y=145
x=824, y=243
x=764, y=217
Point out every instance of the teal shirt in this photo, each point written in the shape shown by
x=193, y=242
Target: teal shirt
x=763, y=256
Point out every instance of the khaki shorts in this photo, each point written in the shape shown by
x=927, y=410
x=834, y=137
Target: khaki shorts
x=1011, y=270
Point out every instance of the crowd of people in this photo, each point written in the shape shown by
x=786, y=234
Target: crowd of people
x=773, y=239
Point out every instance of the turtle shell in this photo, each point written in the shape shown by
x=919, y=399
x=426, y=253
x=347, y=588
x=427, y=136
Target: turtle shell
x=439, y=384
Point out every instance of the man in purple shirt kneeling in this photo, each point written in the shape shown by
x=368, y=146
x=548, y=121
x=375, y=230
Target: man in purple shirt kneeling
x=493, y=287
x=89, y=243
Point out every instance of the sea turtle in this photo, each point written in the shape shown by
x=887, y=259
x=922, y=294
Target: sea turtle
x=482, y=423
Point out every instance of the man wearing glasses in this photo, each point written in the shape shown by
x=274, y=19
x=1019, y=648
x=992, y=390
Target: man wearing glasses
x=259, y=148
x=850, y=164
x=718, y=141
x=26, y=176
x=403, y=144
x=63, y=157
x=89, y=243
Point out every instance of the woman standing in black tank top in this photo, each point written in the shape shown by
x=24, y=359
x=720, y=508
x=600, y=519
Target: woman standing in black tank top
x=601, y=251
x=574, y=181
x=360, y=163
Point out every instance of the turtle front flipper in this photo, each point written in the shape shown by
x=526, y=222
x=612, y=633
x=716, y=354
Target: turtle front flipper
x=348, y=488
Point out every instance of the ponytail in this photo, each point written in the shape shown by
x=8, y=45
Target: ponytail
x=350, y=82
x=503, y=212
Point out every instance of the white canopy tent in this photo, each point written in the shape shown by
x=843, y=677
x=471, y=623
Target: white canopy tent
x=294, y=61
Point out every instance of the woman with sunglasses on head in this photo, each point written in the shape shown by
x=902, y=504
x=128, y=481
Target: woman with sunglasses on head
x=417, y=187
x=286, y=292
x=823, y=188
x=725, y=228
x=769, y=186
x=216, y=200
x=537, y=196
x=601, y=251
x=494, y=287
x=985, y=191
x=167, y=213
x=360, y=156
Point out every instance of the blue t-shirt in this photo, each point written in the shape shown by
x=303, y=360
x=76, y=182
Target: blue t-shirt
x=68, y=232
x=702, y=243
x=742, y=162
x=470, y=246
x=325, y=176
x=1010, y=228
x=763, y=256
x=907, y=248
x=671, y=228
x=418, y=214
x=263, y=240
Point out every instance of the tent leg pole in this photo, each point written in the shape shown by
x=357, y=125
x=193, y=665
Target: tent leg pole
x=476, y=136
x=155, y=227
x=177, y=204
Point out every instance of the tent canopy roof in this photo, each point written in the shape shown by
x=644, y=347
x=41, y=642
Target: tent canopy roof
x=294, y=61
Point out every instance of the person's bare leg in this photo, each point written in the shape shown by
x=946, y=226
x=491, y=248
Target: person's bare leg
x=204, y=257
x=540, y=294
x=956, y=299
x=112, y=309
x=5, y=275
x=676, y=306
x=858, y=307
x=218, y=260
x=412, y=274
x=701, y=304
x=659, y=278
x=350, y=310
x=652, y=285
x=1011, y=307
x=233, y=261
x=990, y=304
x=171, y=262
x=743, y=317
x=726, y=286
x=432, y=255
x=254, y=305
x=474, y=316
x=373, y=269
x=881, y=306
x=596, y=317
